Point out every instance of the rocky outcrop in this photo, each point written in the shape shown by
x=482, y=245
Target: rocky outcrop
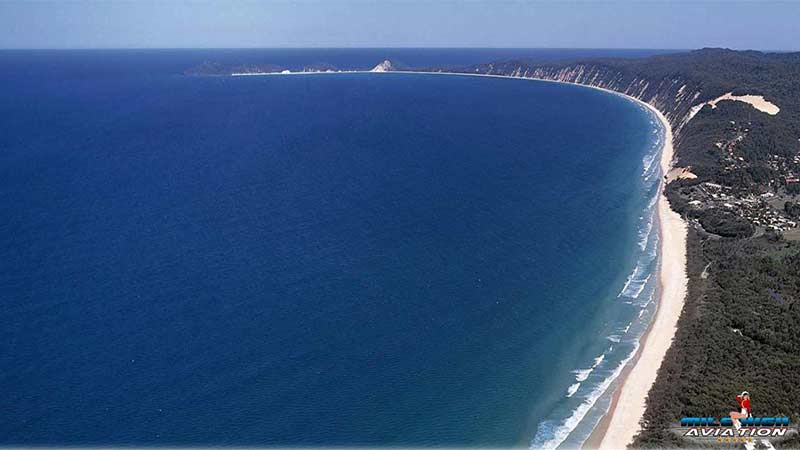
x=385, y=66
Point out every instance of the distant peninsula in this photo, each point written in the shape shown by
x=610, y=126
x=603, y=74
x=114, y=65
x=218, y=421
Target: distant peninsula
x=210, y=68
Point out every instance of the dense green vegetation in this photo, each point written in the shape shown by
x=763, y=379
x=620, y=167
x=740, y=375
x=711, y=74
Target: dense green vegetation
x=739, y=330
x=792, y=209
x=725, y=224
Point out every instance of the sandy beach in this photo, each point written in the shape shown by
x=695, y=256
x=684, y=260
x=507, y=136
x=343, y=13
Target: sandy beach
x=615, y=431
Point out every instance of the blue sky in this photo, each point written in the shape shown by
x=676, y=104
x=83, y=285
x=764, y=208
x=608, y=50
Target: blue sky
x=410, y=23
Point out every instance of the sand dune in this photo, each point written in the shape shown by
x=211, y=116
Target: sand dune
x=757, y=101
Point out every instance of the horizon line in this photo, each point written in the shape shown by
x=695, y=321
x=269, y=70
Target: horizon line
x=401, y=47
x=396, y=48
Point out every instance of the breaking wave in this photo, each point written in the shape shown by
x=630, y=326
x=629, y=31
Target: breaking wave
x=583, y=374
x=637, y=280
x=559, y=433
x=573, y=389
x=636, y=297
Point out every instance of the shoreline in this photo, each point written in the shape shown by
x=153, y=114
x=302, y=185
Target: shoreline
x=628, y=400
x=614, y=430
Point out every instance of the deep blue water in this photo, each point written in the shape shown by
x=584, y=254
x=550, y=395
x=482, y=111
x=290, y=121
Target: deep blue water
x=345, y=259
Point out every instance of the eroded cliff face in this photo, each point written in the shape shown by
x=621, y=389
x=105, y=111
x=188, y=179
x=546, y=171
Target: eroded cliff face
x=673, y=97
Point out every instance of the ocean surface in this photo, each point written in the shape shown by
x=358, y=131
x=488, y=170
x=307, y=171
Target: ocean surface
x=316, y=260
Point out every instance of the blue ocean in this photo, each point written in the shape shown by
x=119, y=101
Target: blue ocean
x=318, y=260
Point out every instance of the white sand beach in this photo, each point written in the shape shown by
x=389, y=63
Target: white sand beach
x=629, y=401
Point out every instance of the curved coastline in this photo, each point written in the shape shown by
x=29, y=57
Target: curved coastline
x=614, y=432
x=635, y=380
x=628, y=402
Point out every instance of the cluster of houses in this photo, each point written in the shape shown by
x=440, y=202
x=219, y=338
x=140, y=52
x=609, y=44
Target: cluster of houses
x=765, y=210
x=727, y=147
x=753, y=208
x=776, y=162
x=786, y=166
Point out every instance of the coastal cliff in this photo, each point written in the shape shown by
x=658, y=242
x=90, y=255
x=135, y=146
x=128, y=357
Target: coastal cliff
x=674, y=97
